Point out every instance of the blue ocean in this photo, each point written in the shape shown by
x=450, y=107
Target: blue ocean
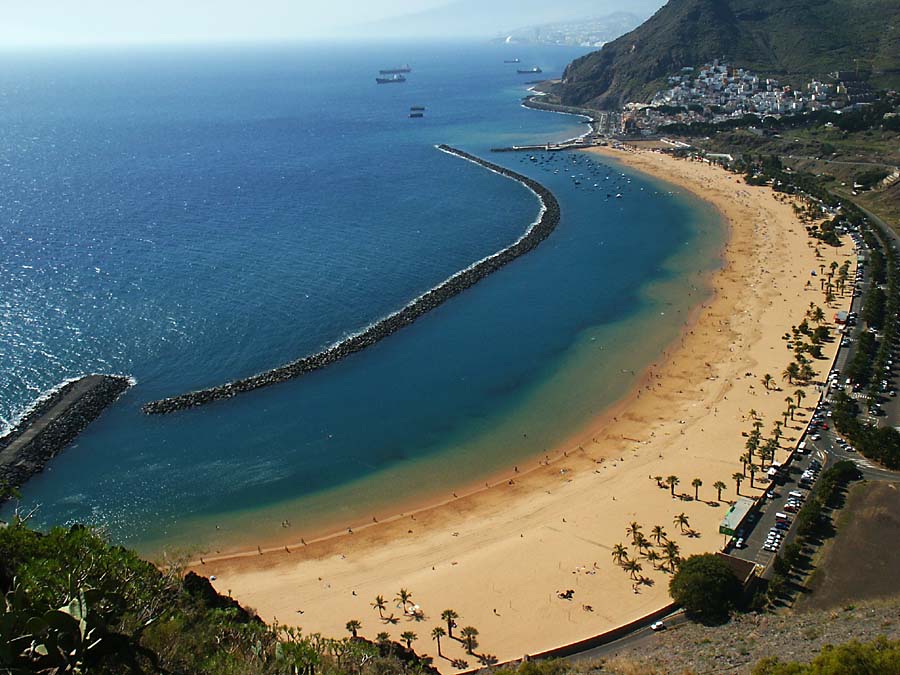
x=192, y=216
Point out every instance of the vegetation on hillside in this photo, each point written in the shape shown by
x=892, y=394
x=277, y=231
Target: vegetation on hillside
x=879, y=657
x=706, y=587
x=789, y=39
x=73, y=604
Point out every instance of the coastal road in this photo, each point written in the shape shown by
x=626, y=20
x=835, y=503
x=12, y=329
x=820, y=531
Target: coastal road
x=630, y=641
x=829, y=451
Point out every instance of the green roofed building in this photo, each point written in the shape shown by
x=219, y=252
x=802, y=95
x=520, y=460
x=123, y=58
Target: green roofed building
x=735, y=516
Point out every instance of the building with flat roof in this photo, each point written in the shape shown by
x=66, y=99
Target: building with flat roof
x=735, y=516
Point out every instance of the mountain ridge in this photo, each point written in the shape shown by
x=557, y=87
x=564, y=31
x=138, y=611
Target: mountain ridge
x=779, y=38
x=475, y=17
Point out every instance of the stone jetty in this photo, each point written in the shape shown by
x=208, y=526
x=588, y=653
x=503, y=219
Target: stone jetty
x=534, y=235
x=52, y=423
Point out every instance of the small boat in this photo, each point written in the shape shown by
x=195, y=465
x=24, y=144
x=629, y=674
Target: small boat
x=390, y=80
x=529, y=71
x=418, y=108
x=417, y=114
x=511, y=61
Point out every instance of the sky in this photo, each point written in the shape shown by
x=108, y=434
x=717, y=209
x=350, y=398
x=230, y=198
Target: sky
x=85, y=22
x=111, y=22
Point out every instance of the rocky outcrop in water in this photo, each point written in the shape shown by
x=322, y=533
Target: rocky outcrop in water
x=52, y=423
x=536, y=233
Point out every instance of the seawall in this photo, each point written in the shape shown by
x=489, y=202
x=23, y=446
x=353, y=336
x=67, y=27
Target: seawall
x=52, y=423
x=534, y=235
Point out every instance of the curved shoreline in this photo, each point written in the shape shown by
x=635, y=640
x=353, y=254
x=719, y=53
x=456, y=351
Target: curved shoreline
x=551, y=526
x=540, y=229
x=53, y=421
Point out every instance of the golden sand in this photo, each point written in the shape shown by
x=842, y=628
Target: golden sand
x=500, y=556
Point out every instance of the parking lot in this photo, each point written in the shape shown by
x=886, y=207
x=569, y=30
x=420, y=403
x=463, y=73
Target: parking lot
x=758, y=524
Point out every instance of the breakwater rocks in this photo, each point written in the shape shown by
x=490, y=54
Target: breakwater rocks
x=534, y=235
x=52, y=423
x=537, y=102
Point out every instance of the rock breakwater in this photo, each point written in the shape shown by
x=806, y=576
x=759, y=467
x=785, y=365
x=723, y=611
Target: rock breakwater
x=539, y=230
x=52, y=423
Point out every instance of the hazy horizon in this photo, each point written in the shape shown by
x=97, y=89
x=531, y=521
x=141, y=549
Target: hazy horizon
x=50, y=23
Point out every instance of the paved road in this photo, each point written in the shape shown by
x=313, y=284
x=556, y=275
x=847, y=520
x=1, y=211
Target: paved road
x=630, y=641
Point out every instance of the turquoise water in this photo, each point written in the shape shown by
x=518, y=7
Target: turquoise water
x=192, y=217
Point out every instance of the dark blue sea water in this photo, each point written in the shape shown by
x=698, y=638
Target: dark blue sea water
x=188, y=217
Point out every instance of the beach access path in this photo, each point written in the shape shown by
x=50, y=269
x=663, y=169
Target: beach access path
x=501, y=555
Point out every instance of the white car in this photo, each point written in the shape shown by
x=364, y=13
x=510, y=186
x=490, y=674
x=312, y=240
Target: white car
x=657, y=626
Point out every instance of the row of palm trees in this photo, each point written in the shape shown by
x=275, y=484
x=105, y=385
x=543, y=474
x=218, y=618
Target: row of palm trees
x=671, y=481
x=467, y=635
x=827, y=282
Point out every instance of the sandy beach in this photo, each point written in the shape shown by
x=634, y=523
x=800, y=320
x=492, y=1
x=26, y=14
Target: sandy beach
x=500, y=556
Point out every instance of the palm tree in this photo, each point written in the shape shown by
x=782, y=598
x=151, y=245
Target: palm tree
x=469, y=635
x=681, y=520
x=641, y=542
x=672, y=481
x=382, y=638
x=619, y=553
x=696, y=483
x=380, y=605
x=449, y=616
x=791, y=409
x=633, y=530
x=719, y=486
x=738, y=478
x=751, y=445
x=633, y=567
x=436, y=634
x=818, y=315
x=746, y=460
x=800, y=394
x=408, y=637
x=403, y=597
x=791, y=372
x=767, y=380
x=753, y=470
x=776, y=432
x=353, y=626
x=658, y=480
x=753, y=414
x=653, y=557
x=671, y=554
x=658, y=533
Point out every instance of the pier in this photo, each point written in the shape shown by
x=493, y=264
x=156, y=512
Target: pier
x=539, y=230
x=54, y=422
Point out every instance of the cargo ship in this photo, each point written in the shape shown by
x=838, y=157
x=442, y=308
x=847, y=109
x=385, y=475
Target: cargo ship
x=529, y=71
x=396, y=71
x=390, y=80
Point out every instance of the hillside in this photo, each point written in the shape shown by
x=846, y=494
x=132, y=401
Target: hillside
x=71, y=603
x=787, y=39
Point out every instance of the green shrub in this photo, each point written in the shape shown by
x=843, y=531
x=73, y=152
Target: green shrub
x=706, y=587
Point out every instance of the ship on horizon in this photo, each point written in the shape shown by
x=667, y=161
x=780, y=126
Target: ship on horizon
x=529, y=71
x=512, y=61
x=395, y=71
x=390, y=80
